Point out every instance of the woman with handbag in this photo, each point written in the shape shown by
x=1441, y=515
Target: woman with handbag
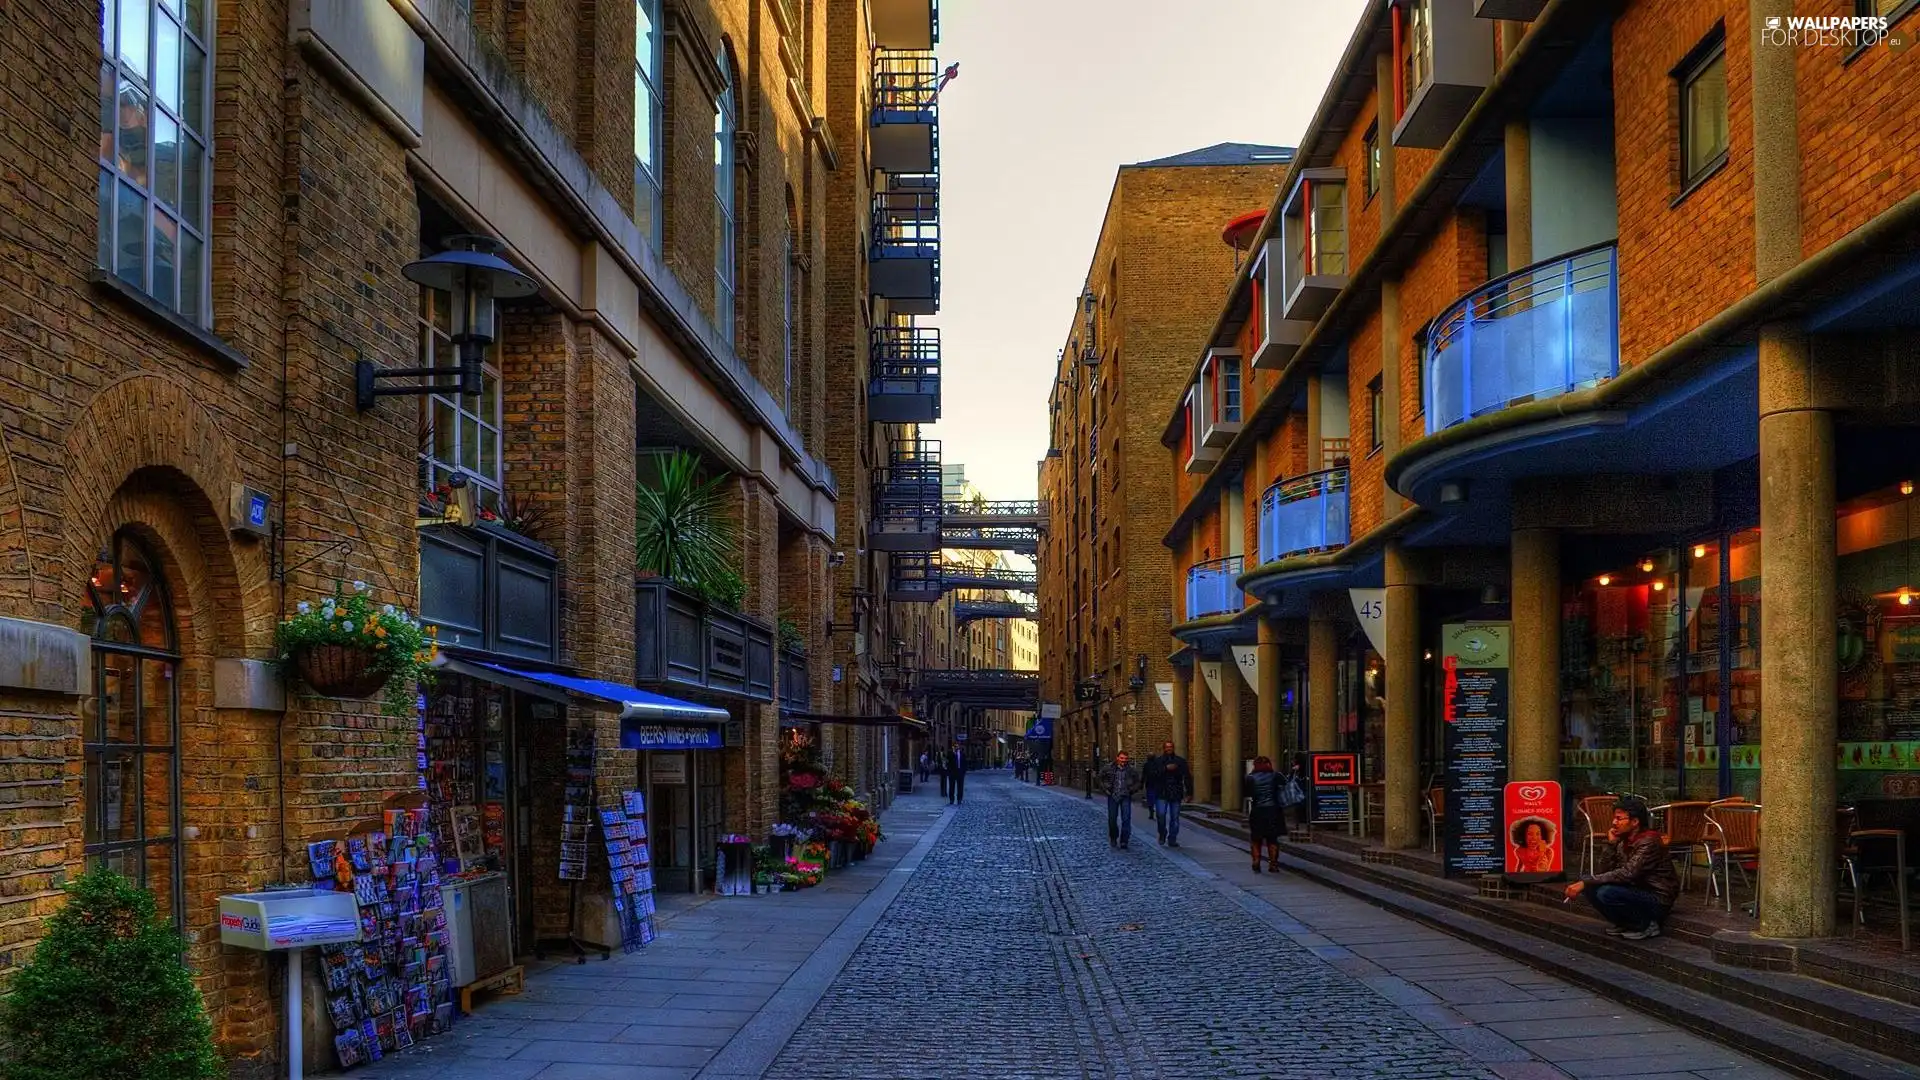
x=1265, y=789
x=1294, y=794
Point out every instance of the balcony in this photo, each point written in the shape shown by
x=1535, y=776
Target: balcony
x=1304, y=515
x=1279, y=337
x=681, y=640
x=1442, y=61
x=907, y=499
x=1211, y=591
x=1539, y=332
x=905, y=123
x=914, y=577
x=1219, y=397
x=796, y=682
x=1509, y=10
x=903, y=258
x=490, y=589
x=905, y=24
x=903, y=385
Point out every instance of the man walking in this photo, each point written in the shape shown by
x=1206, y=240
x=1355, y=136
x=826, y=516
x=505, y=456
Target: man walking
x=1637, y=894
x=1169, y=784
x=1121, y=782
x=956, y=766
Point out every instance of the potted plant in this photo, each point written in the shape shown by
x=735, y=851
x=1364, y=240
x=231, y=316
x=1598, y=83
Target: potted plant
x=683, y=532
x=106, y=994
x=343, y=646
x=790, y=636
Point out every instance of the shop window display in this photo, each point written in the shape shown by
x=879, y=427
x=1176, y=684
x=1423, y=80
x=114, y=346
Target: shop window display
x=1879, y=646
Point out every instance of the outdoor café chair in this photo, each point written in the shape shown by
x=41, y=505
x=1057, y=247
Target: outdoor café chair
x=1736, y=827
x=1685, y=829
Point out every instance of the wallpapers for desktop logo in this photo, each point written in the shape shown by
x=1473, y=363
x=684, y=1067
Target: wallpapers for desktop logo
x=1831, y=31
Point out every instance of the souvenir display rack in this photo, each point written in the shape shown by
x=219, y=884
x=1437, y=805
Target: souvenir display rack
x=630, y=864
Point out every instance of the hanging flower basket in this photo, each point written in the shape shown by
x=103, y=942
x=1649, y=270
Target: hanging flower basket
x=340, y=671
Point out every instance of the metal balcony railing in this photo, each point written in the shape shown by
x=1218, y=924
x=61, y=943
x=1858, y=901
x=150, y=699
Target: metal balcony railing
x=904, y=375
x=1539, y=332
x=905, y=87
x=906, y=221
x=907, y=498
x=1210, y=588
x=1305, y=514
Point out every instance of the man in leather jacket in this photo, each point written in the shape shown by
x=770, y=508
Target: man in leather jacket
x=1169, y=784
x=1121, y=782
x=1637, y=894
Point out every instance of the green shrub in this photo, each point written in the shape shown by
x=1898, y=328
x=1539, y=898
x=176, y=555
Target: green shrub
x=106, y=994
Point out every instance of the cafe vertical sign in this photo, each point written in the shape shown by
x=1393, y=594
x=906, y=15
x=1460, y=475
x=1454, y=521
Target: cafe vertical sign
x=1475, y=659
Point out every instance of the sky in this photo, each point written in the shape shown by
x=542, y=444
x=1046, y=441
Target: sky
x=1053, y=96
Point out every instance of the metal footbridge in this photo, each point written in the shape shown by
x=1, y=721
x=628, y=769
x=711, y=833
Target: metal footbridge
x=984, y=688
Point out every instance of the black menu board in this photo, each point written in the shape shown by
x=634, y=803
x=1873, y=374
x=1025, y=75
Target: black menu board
x=1475, y=662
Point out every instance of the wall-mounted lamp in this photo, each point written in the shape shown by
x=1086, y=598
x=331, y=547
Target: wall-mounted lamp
x=472, y=270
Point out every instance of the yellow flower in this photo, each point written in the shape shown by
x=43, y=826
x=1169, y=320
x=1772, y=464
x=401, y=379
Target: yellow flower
x=433, y=631
x=379, y=631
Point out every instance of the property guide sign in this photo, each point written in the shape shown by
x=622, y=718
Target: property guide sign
x=1475, y=658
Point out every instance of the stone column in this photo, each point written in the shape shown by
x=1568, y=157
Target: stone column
x=1535, y=750
x=1519, y=163
x=1323, y=656
x=1268, y=737
x=1200, y=700
x=1230, y=776
x=1799, y=682
x=1402, y=818
x=1182, y=688
x=1386, y=109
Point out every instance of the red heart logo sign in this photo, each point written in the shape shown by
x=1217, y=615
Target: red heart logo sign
x=1533, y=794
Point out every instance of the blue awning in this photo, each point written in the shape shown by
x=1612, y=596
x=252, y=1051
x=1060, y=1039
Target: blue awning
x=630, y=702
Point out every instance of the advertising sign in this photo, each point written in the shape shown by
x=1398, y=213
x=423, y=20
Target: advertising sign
x=1040, y=729
x=640, y=736
x=1333, y=777
x=1475, y=705
x=1536, y=849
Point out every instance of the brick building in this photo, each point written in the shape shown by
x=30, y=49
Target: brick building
x=685, y=185
x=1152, y=289
x=1550, y=324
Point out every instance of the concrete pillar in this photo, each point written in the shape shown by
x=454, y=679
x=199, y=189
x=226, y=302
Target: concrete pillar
x=1519, y=165
x=1386, y=109
x=1200, y=760
x=1799, y=682
x=1268, y=736
x=1182, y=690
x=1535, y=750
x=1230, y=776
x=1403, y=700
x=1323, y=656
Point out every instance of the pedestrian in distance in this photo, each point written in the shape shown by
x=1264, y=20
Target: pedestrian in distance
x=1267, y=818
x=1169, y=785
x=925, y=765
x=1295, y=794
x=1638, y=893
x=940, y=767
x=1121, y=782
x=956, y=765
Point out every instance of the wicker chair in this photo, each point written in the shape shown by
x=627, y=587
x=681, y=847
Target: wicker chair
x=1684, y=827
x=1596, y=812
x=1735, y=824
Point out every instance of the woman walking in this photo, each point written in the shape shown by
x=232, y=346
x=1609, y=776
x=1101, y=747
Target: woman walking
x=1268, y=819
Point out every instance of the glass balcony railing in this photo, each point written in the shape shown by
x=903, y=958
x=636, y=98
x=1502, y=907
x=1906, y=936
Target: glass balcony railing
x=1536, y=333
x=1304, y=514
x=1210, y=588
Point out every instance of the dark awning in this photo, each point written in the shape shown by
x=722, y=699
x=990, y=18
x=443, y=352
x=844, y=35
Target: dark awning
x=796, y=719
x=630, y=702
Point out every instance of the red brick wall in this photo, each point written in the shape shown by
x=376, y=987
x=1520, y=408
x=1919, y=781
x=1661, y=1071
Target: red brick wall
x=1859, y=146
x=1367, y=483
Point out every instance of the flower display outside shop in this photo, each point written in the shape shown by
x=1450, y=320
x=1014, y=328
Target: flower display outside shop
x=341, y=645
x=818, y=809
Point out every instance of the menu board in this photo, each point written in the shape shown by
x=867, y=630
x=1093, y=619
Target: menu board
x=1475, y=662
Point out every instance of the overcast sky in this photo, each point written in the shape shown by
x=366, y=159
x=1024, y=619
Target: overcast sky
x=1053, y=96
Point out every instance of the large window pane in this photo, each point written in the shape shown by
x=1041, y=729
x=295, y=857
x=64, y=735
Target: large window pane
x=1878, y=541
x=106, y=219
x=166, y=159
x=131, y=235
x=1700, y=724
x=196, y=19
x=193, y=87
x=193, y=183
x=120, y=798
x=1743, y=681
x=133, y=133
x=156, y=693
x=166, y=63
x=134, y=38
x=109, y=112
x=193, y=276
x=165, y=259
x=1704, y=117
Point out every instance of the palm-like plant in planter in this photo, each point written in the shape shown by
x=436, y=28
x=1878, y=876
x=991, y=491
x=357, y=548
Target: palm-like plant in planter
x=684, y=533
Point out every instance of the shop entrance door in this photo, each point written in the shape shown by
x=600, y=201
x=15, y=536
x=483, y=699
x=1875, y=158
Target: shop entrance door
x=670, y=807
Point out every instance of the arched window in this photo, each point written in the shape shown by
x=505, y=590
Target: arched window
x=724, y=125
x=132, y=729
x=646, y=119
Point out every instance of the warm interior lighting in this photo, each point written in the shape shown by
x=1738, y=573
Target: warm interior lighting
x=1659, y=586
x=1906, y=487
x=1905, y=597
x=1606, y=579
x=1646, y=566
x=1699, y=551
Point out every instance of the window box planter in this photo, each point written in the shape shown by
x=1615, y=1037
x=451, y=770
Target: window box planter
x=681, y=640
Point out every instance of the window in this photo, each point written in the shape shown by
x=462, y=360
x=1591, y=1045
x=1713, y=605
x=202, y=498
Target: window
x=155, y=160
x=1373, y=159
x=1328, y=234
x=1416, y=48
x=723, y=219
x=1376, y=422
x=1420, y=369
x=787, y=305
x=1229, y=390
x=1703, y=109
x=646, y=119
x=460, y=435
x=131, y=735
x=1883, y=8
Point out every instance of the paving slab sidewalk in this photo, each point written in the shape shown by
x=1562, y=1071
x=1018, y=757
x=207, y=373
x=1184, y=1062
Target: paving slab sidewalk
x=728, y=978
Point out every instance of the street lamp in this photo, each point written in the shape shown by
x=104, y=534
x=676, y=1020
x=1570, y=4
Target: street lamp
x=472, y=270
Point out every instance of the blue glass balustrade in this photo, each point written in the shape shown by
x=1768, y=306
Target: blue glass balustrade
x=1304, y=514
x=1536, y=333
x=1210, y=588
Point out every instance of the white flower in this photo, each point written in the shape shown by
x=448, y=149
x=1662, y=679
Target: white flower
x=304, y=607
x=387, y=610
x=347, y=626
x=359, y=586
